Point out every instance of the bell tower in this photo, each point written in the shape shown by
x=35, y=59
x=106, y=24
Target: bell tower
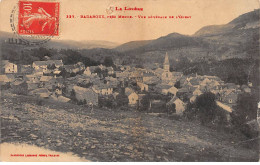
x=166, y=75
x=166, y=64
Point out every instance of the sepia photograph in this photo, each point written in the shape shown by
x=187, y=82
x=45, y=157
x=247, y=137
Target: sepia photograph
x=129, y=80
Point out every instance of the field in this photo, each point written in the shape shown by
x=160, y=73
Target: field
x=113, y=135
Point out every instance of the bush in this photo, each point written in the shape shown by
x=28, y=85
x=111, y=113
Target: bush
x=204, y=109
x=108, y=102
x=21, y=89
x=122, y=100
x=246, y=112
x=5, y=86
x=39, y=102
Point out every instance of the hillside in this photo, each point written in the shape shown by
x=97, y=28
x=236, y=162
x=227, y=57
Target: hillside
x=237, y=39
x=132, y=45
x=116, y=135
x=240, y=37
x=65, y=44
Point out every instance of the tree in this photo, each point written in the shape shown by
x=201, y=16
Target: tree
x=63, y=72
x=205, y=107
x=139, y=66
x=244, y=117
x=246, y=109
x=171, y=109
x=145, y=103
x=108, y=61
x=177, y=85
x=73, y=95
x=122, y=100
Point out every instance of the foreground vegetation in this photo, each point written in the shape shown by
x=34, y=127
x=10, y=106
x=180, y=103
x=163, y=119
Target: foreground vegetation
x=106, y=135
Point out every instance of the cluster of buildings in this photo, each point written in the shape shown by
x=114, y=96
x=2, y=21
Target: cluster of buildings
x=87, y=85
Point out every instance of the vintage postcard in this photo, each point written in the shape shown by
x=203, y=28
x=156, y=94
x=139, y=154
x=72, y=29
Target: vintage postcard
x=129, y=80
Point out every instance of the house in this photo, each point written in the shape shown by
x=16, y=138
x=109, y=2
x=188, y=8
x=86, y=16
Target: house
x=32, y=78
x=193, y=98
x=110, y=70
x=55, y=82
x=113, y=82
x=136, y=75
x=197, y=92
x=90, y=70
x=26, y=69
x=45, y=78
x=56, y=72
x=166, y=89
x=172, y=91
x=123, y=75
x=6, y=78
x=103, y=89
x=152, y=83
x=177, y=75
x=74, y=68
x=69, y=68
x=158, y=72
x=213, y=85
x=157, y=106
x=132, y=97
x=246, y=89
x=58, y=91
x=229, y=97
x=195, y=82
x=179, y=105
x=129, y=90
x=8, y=67
x=142, y=86
x=42, y=66
x=205, y=82
x=140, y=97
x=87, y=94
x=148, y=76
x=231, y=86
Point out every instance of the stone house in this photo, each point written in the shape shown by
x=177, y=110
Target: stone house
x=103, y=89
x=42, y=66
x=179, y=105
x=90, y=70
x=8, y=67
x=143, y=86
x=132, y=98
x=166, y=89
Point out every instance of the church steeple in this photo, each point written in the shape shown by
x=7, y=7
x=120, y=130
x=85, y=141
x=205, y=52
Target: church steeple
x=166, y=64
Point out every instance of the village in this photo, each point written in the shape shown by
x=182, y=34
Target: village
x=111, y=87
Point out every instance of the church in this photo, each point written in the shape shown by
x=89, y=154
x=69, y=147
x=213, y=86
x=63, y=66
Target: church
x=166, y=75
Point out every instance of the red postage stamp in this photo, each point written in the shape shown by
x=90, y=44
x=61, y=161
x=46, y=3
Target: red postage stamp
x=38, y=18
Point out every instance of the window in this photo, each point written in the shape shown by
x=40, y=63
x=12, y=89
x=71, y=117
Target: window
x=230, y=100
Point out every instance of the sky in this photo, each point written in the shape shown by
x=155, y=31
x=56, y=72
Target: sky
x=202, y=12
